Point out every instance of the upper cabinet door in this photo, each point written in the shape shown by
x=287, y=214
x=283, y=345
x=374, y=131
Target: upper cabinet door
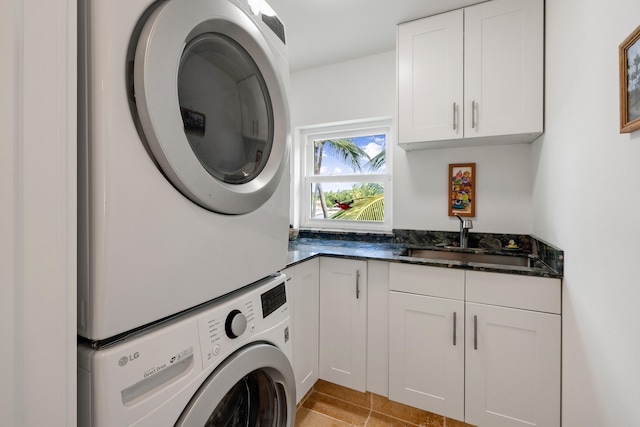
x=490, y=54
x=503, y=59
x=430, y=78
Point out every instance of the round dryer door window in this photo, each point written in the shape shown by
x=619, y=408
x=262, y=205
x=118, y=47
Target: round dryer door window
x=225, y=107
x=212, y=104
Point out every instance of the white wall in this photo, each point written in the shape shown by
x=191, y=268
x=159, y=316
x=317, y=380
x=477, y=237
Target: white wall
x=7, y=216
x=358, y=89
x=37, y=213
x=366, y=87
x=585, y=201
x=503, y=193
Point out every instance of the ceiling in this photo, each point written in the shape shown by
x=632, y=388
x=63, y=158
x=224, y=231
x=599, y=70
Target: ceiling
x=321, y=32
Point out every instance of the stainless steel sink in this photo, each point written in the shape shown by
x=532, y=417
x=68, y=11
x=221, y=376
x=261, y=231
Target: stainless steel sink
x=485, y=258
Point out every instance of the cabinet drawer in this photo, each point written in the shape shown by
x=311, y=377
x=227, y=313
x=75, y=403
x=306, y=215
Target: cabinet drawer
x=508, y=290
x=426, y=280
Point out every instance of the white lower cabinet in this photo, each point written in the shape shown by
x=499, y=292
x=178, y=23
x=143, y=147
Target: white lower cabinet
x=343, y=322
x=303, y=285
x=513, y=357
x=426, y=353
x=426, y=338
x=502, y=369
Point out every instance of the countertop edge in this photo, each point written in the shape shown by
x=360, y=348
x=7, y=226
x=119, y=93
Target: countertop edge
x=305, y=249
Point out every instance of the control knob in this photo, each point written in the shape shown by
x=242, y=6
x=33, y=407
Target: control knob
x=236, y=324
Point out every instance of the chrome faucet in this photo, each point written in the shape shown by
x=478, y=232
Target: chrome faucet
x=465, y=226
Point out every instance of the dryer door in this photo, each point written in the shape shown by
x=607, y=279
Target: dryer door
x=253, y=387
x=212, y=103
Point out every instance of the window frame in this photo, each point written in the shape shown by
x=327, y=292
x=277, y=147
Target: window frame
x=304, y=177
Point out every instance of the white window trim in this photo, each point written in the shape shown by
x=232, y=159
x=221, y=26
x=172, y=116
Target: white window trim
x=301, y=190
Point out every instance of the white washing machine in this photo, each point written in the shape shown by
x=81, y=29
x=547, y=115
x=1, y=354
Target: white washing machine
x=224, y=364
x=183, y=156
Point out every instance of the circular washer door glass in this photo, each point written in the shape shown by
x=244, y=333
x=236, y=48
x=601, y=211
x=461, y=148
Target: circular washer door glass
x=253, y=401
x=225, y=108
x=210, y=93
x=255, y=386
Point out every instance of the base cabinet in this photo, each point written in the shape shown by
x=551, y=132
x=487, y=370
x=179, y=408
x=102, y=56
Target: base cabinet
x=512, y=367
x=426, y=353
x=475, y=346
x=343, y=322
x=303, y=285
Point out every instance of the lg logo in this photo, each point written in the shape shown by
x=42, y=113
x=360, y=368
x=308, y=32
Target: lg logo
x=126, y=359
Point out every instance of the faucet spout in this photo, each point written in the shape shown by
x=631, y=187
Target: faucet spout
x=465, y=226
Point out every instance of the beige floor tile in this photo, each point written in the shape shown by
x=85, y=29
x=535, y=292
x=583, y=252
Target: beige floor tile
x=450, y=422
x=336, y=408
x=307, y=418
x=381, y=420
x=350, y=395
x=331, y=405
x=406, y=413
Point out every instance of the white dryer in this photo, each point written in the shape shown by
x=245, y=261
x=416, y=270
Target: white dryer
x=183, y=156
x=225, y=364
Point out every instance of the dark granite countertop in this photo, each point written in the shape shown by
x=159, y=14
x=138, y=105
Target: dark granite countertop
x=548, y=261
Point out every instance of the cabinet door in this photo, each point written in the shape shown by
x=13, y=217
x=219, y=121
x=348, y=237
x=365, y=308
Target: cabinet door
x=430, y=78
x=503, y=59
x=512, y=367
x=426, y=353
x=343, y=322
x=306, y=288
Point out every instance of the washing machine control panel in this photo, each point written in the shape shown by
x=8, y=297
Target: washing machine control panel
x=230, y=324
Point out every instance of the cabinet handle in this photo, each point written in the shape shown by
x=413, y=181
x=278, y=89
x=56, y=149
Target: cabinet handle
x=475, y=332
x=454, y=328
x=455, y=117
x=473, y=114
x=357, y=284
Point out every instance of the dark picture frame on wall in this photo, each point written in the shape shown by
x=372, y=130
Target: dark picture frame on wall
x=629, y=51
x=462, y=189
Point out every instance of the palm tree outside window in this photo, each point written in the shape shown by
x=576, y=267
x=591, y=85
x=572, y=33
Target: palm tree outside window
x=346, y=177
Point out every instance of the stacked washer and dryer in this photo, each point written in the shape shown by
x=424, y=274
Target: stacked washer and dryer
x=183, y=215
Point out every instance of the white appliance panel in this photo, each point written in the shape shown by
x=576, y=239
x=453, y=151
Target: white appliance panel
x=145, y=250
x=150, y=378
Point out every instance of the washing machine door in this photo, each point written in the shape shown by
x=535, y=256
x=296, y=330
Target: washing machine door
x=212, y=104
x=255, y=387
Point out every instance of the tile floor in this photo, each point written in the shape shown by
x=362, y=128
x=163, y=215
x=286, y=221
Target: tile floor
x=330, y=405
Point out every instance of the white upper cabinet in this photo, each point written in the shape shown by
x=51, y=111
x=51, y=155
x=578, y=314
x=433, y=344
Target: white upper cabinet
x=472, y=76
x=430, y=76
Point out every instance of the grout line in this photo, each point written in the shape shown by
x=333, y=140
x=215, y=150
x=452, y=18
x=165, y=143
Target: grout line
x=397, y=419
x=328, y=416
x=370, y=409
x=342, y=400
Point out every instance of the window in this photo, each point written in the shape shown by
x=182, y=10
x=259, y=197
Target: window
x=346, y=175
